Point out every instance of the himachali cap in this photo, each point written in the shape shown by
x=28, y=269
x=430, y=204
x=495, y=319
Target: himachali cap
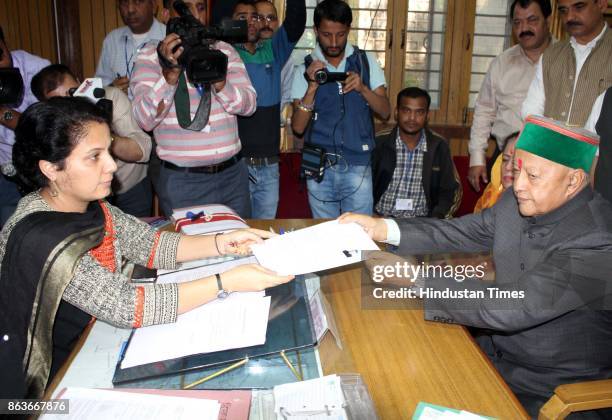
x=569, y=146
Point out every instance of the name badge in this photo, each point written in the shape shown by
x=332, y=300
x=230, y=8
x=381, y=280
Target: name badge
x=404, y=204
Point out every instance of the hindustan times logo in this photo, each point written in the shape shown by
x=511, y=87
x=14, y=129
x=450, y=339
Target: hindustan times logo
x=429, y=293
x=412, y=272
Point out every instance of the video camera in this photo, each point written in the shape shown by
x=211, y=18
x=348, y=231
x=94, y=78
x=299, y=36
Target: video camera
x=11, y=86
x=203, y=64
x=323, y=76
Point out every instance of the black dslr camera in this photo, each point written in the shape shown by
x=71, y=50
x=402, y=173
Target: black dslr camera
x=323, y=76
x=11, y=86
x=203, y=64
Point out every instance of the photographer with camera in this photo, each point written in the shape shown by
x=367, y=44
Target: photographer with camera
x=260, y=133
x=198, y=165
x=335, y=93
x=130, y=146
x=28, y=65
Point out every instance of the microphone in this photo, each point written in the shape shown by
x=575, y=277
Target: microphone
x=91, y=88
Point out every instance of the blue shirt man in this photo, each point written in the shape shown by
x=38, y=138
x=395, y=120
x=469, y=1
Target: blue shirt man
x=121, y=46
x=338, y=116
x=260, y=133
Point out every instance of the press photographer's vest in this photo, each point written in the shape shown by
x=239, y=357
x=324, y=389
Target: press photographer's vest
x=340, y=123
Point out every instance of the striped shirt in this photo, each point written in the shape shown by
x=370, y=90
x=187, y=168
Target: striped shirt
x=219, y=140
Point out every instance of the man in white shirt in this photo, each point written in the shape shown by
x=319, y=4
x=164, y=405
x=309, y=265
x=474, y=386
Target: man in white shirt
x=122, y=45
x=565, y=89
x=497, y=108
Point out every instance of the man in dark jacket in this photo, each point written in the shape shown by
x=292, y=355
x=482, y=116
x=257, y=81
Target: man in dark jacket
x=412, y=168
x=546, y=320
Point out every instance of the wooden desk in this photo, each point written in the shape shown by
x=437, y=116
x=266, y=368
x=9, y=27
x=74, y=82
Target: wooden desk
x=402, y=358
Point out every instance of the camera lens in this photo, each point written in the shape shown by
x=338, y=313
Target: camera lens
x=320, y=76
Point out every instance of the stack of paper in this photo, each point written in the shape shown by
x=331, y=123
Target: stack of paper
x=94, y=404
x=320, y=247
x=235, y=404
x=198, y=271
x=211, y=218
x=315, y=399
x=240, y=320
x=426, y=411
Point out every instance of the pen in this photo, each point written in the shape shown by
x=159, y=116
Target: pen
x=290, y=366
x=122, y=350
x=214, y=375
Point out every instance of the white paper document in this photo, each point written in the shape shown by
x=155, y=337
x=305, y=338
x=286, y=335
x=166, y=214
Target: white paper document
x=196, y=263
x=320, y=247
x=240, y=320
x=315, y=399
x=430, y=413
x=94, y=365
x=97, y=404
x=189, y=274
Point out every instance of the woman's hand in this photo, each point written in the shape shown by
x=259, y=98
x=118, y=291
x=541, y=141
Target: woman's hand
x=239, y=242
x=251, y=278
x=375, y=227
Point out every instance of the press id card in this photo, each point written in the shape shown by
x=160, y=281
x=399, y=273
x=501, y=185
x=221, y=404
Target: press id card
x=404, y=204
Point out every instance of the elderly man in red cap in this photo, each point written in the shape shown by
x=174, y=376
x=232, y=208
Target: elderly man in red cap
x=546, y=319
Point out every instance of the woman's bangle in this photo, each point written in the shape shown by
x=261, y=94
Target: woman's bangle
x=217, y=246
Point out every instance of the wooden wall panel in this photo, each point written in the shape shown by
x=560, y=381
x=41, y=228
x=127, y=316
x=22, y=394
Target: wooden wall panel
x=87, y=38
x=47, y=29
x=99, y=31
x=29, y=25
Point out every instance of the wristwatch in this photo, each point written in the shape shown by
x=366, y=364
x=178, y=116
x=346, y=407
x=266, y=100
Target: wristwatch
x=7, y=116
x=222, y=293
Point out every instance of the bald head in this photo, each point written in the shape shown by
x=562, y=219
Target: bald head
x=541, y=185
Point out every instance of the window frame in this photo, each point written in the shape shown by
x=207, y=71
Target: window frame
x=458, y=43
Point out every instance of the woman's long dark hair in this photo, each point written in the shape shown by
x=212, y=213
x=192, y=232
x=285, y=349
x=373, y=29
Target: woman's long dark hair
x=50, y=131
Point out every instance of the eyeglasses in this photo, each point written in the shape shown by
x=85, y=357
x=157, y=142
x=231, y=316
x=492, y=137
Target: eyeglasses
x=250, y=18
x=269, y=18
x=258, y=18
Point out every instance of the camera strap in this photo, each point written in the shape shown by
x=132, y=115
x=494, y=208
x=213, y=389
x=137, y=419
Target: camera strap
x=183, y=108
